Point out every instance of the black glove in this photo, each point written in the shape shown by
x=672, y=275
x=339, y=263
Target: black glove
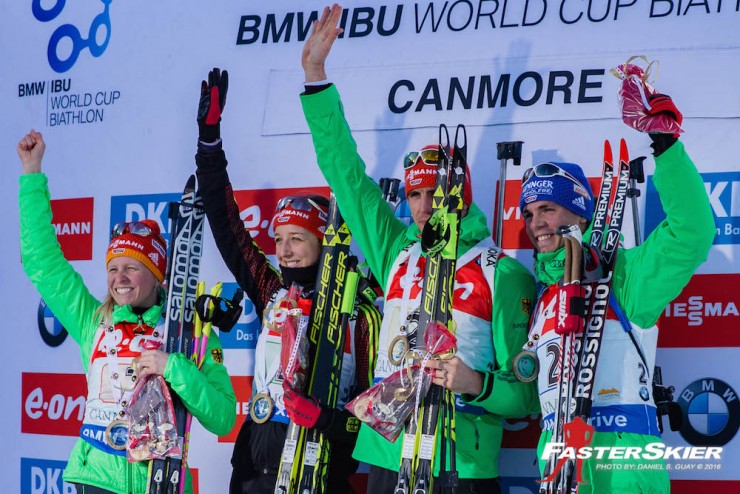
x=212, y=102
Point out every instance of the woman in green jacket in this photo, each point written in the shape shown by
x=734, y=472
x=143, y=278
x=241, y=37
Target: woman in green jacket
x=112, y=335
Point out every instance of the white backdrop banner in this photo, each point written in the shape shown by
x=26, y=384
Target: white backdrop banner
x=114, y=87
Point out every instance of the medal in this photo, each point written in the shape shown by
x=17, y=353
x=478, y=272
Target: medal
x=116, y=434
x=397, y=349
x=526, y=366
x=261, y=408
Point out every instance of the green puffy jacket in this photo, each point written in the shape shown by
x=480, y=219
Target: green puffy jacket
x=208, y=394
x=646, y=279
x=381, y=237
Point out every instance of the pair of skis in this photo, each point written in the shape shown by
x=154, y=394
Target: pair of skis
x=167, y=476
x=580, y=350
x=306, y=452
x=439, y=243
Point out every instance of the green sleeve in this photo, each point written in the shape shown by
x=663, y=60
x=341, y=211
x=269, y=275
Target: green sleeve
x=649, y=276
x=378, y=233
x=515, y=292
x=208, y=393
x=61, y=287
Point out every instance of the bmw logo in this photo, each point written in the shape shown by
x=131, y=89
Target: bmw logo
x=711, y=412
x=51, y=330
x=644, y=394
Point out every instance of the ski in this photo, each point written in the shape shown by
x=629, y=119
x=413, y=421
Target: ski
x=306, y=453
x=186, y=245
x=439, y=243
x=580, y=361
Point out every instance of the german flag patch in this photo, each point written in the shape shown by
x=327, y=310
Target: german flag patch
x=217, y=355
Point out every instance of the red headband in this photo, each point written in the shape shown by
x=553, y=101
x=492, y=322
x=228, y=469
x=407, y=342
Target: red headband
x=151, y=249
x=313, y=220
x=423, y=174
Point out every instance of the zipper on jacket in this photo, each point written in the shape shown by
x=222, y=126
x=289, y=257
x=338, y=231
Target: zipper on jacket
x=477, y=436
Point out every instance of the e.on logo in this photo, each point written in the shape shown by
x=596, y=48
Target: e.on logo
x=257, y=207
x=52, y=403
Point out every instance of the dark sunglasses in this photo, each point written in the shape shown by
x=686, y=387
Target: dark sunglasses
x=134, y=227
x=428, y=156
x=301, y=203
x=545, y=170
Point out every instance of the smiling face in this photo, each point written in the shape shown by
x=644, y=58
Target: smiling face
x=541, y=221
x=296, y=247
x=131, y=283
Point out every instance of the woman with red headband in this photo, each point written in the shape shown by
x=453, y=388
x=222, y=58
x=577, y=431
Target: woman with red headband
x=113, y=334
x=299, y=229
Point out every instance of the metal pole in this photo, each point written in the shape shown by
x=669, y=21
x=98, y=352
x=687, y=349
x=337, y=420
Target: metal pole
x=511, y=150
x=637, y=175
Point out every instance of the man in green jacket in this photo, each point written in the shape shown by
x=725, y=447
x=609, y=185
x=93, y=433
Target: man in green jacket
x=490, y=322
x=112, y=335
x=645, y=279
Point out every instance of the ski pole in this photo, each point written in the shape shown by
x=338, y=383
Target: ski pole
x=511, y=150
x=637, y=175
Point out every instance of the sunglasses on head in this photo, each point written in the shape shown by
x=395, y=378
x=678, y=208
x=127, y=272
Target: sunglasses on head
x=545, y=170
x=301, y=203
x=134, y=227
x=428, y=156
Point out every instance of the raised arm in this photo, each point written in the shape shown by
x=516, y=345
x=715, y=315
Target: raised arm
x=249, y=265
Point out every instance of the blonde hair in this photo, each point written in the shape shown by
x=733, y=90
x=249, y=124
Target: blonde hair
x=104, y=313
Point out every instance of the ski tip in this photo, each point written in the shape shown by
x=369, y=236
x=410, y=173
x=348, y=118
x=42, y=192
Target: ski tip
x=607, y=151
x=623, y=152
x=190, y=184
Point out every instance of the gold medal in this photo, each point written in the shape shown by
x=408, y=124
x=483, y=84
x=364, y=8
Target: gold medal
x=116, y=434
x=261, y=408
x=526, y=366
x=397, y=349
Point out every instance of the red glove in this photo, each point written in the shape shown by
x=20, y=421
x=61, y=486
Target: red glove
x=211, y=105
x=302, y=410
x=570, y=309
x=661, y=103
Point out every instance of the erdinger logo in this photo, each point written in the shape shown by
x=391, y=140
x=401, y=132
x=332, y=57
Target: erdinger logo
x=711, y=412
x=101, y=21
x=51, y=330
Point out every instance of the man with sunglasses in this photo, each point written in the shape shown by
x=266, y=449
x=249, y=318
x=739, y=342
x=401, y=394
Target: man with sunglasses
x=298, y=224
x=113, y=335
x=491, y=320
x=645, y=279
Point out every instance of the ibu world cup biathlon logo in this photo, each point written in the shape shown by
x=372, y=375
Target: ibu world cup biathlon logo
x=61, y=57
x=711, y=412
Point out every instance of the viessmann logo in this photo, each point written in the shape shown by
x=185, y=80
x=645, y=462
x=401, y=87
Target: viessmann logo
x=98, y=34
x=73, y=224
x=52, y=404
x=705, y=314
